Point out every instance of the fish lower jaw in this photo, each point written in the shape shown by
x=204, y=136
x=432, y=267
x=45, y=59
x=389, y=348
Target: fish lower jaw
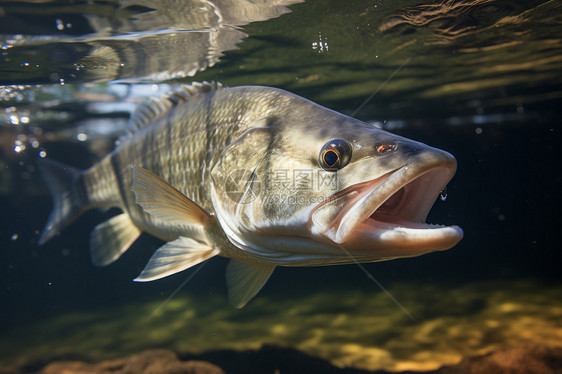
x=402, y=239
x=384, y=240
x=377, y=240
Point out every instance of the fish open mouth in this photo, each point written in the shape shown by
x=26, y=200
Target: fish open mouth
x=388, y=214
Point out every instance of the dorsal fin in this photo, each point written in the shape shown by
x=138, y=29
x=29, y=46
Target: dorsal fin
x=146, y=112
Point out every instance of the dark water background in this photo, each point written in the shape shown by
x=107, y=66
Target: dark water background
x=480, y=79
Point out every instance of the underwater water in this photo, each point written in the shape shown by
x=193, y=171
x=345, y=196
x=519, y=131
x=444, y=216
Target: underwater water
x=480, y=79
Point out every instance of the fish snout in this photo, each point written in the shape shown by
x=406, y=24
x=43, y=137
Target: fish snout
x=422, y=156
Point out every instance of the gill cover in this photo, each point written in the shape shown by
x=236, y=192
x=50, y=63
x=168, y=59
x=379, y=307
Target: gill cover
x=235, y=185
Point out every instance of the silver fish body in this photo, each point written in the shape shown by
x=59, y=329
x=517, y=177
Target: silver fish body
x=261, y=176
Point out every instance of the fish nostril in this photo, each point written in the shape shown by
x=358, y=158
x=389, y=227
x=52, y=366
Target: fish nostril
x=385, y=148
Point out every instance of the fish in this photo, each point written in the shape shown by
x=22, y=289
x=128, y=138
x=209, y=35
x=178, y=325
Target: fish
x=261, y=176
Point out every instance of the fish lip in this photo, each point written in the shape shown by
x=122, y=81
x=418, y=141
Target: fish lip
x=392, y=208
x=360, y=189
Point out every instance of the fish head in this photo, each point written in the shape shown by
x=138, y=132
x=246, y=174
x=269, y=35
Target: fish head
x=315, y=187
x=385, y=193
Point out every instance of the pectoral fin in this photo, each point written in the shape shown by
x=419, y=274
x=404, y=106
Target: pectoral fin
x=245, y=279
x=174, y=257
x=165, y=202
x=111, y=239
x=162, y=200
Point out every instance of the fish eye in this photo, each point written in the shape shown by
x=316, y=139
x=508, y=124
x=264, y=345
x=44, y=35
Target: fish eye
x=335, y=154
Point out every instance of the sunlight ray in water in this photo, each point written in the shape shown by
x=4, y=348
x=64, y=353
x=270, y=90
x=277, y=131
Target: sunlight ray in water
x=182, y=285
x=378, y=284
x=381, y=86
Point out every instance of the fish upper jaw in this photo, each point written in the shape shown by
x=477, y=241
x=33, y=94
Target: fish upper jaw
x=387, y=215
